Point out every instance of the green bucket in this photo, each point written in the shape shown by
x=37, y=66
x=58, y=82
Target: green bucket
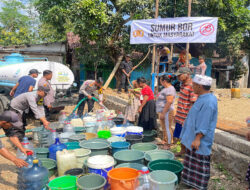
x=104, y=134
x=144, y=147
x=158, y=155
x=129, y=156
x=50, y=164
x=162, y=180
x=130, y=165
x=96, y=147
x=72, y=145
x=149, y=136
x=167, y=164
x=63, y=183
x=91, y=182
x=41, y=152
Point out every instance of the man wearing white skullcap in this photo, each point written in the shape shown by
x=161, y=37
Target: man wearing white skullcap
x=198, y=134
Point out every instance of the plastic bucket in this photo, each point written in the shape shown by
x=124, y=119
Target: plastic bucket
x=158, y=155
x=41, y=152
x=118, y=146
x=89, y=136
x=149, y=136
x=123, y=179
x=116, y=139
x=134, y=130
x=63, y=183
x=97, y=148
x=50, y=164
x=79, y=130
x=167, y=164
x=133, y=139
x=72, y=145
x=129, y=156
x=145, y=147
x=81, y=155
x=91, y=182
x=104, y=134
x=162, y=180
x=100, y=164
x=74, y=172
x=118, y=131
x=131, y=165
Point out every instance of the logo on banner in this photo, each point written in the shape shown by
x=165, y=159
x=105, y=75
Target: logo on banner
x=207, y=29
x=138, y=33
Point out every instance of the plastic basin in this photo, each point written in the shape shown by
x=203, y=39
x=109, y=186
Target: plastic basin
x=167, y=164
x=72, y=145
x=91, y=182
x=77, y=138
x=158, y=155
x=97, y=148
x=104, y=134
x=132, y=139
x=81, y=155
x=149, y=136
x=116, y=139
x=63, y=183
x=162, y=180
x=74, y=172
x=145, y=147
x=130, y=165
x=129, y=156
x=42, y=152
x=50, y=164
x=89, y=136
x=118, y=146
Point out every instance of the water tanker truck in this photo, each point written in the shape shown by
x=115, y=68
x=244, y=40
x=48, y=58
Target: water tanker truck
x=15, y=65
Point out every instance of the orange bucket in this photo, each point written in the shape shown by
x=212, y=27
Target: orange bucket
x=123, y=178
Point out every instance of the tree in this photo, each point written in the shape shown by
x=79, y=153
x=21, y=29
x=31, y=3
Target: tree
x=107, y=22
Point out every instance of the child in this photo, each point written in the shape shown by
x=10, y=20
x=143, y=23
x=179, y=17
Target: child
x=133, y=104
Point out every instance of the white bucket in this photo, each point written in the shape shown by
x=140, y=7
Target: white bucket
x=116, y=139
x=163, y=180
x=81, y=155
x=134, y=130
x=118, y=131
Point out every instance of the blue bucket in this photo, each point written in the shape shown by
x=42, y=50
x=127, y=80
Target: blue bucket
x=100, y=164
x=118, y=146
x=134, y=130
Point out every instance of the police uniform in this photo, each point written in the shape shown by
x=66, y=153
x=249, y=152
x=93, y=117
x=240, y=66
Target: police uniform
x=49, y=98
x=25, y=101
x=127, y=66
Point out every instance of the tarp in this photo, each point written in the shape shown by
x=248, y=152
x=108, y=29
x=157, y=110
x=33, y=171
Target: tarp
x=174, y=30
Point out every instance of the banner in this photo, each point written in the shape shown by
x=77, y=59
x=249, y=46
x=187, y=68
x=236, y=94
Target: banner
x=174, y=30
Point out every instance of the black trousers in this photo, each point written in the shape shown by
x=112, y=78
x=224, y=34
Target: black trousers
x=124, y=83
x=47, y=113
x=90, y=103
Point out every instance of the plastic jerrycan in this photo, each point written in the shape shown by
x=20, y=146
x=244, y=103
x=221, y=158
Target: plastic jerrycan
x=66, y=160
x=56, y=147
x=36, y=177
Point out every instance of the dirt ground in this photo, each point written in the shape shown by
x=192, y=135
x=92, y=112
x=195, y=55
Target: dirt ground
x=235, y=110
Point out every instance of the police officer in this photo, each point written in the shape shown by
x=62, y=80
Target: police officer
x=49, y=99
x=28, y=100
x=125, y=67
x=8, y=120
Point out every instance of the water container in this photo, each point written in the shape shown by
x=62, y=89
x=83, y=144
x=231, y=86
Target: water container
x=36, y=177
x=43, y=138
x=52, y=137
x=99, y=126
x=56, y=147
x=62, y=118
x=118, y=131
x=110, y=123
x=144, y=181
x=26, y=144
x=66, y=159
x=68, y=128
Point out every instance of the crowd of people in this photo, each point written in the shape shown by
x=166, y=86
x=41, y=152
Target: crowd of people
x=192, y=122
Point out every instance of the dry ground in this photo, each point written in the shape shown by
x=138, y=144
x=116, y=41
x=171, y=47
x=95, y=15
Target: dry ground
x=235, y=110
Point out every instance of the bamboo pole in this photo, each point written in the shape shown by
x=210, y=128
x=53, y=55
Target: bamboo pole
x=154, y=47
x=187, y=46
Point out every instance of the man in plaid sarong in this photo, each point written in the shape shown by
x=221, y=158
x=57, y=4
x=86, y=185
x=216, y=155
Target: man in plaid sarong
x=198, y=134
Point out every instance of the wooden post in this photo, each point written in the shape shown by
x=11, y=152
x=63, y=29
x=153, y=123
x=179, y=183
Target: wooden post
x=154, y=47
x=187, y=47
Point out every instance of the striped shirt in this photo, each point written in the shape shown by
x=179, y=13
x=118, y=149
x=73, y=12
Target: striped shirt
x=186, y=99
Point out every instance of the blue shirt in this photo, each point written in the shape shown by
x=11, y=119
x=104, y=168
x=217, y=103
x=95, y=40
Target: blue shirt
x=202, y=118
x=24, y=84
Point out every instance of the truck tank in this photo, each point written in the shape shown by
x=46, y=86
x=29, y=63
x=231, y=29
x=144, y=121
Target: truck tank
x=15, y=65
